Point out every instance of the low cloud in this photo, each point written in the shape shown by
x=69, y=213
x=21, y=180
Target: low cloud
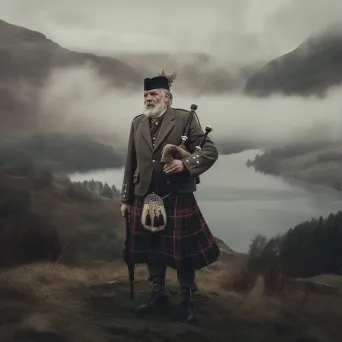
x=78, y=100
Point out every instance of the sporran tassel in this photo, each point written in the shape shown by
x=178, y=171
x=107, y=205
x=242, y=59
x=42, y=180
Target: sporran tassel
x=148, y=218
x=155, y=220
x=160, y=218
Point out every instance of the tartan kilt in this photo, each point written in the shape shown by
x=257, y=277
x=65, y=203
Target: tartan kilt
x=186, y=241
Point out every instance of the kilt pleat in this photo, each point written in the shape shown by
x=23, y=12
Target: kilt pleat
x=186, y=241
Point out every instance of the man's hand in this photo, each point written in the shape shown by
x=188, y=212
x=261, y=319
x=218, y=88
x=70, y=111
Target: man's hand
x=174, y=167
x=125, y=207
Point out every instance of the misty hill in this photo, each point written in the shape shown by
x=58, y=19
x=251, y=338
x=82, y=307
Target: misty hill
x=60, y=152
x=44, y=218
x=26, y=60
x=29, y=55
x=313, y=68
x=309, y=163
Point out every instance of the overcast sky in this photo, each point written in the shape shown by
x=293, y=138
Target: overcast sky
x=232, y=29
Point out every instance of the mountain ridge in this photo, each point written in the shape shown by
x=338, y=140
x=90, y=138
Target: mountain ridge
x=27, y=59
x=313, y=68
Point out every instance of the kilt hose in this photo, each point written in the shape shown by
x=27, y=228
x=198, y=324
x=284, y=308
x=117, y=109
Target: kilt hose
x=186, y=242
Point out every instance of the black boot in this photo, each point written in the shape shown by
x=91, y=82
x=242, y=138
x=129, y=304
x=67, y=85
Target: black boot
x=157, y=301
x=187, y=305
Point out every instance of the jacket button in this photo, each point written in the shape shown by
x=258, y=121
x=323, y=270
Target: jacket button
x=153, y=160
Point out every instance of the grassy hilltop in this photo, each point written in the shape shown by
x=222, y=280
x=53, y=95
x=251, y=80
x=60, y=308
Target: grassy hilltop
x=51, y=302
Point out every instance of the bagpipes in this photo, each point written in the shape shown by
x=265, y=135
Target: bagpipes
x=171, y=152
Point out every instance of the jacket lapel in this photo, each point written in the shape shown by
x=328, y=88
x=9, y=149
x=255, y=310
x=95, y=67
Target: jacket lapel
x=145, y=131
x=166, y=127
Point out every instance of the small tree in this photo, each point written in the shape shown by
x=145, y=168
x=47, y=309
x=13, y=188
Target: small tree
x=107, y=191
x=256, y=248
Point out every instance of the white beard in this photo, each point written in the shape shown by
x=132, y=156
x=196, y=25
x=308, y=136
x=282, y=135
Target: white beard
x=155, y=111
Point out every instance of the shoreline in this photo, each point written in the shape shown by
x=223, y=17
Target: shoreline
x=319, y=166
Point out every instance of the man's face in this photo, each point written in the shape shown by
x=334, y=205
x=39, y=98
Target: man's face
x=155, y=101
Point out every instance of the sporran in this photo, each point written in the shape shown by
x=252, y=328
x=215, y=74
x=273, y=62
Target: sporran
x=153, y=216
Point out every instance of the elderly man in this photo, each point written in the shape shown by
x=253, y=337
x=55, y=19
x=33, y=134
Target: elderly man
x=186, y=244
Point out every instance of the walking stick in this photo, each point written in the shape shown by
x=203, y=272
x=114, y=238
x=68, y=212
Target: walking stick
x=127, y=255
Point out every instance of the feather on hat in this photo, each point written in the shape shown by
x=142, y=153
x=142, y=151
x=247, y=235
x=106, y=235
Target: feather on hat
x=162, y=81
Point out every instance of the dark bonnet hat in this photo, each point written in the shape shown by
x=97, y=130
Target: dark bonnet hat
x=159, y=82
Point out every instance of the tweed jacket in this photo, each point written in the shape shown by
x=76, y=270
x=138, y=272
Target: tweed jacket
x=144, y=154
